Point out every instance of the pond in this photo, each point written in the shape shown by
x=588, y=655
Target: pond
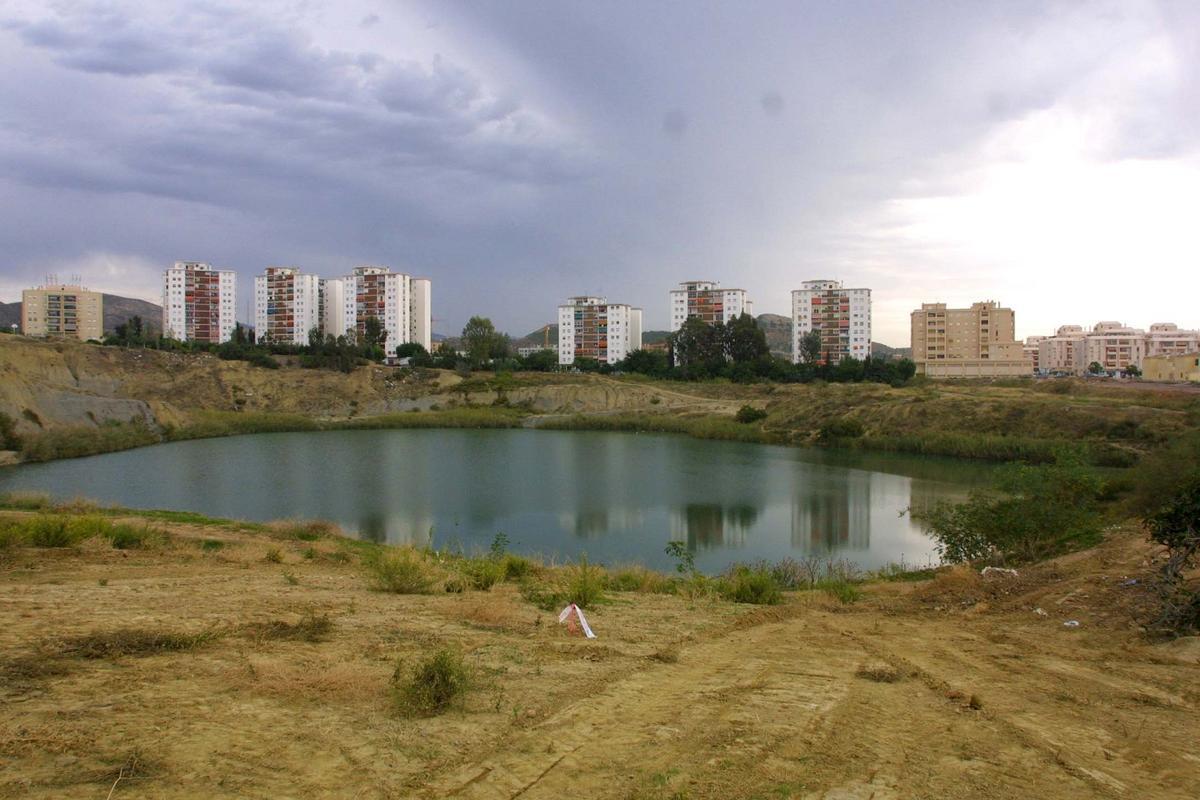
x=618, y=497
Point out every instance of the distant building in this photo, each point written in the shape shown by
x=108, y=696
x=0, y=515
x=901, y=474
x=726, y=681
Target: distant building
x=591, y=327
x=1061, y=352
x=332, y=306
x=842, y=317
x=199, y=303
x=975, y=342
x=401, y=302
x=526, y=352
x=1032, y=349
x=62, y=310
x=706, y=300
x=286, y=305
x=1112, y=345
x=1173, y=368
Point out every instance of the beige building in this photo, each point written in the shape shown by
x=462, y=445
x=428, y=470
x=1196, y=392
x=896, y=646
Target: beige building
x=1060, y=352
x=1185, y=367
x=62, y=310
x=1166, y=339
x=1112, y=345
x=975, y=342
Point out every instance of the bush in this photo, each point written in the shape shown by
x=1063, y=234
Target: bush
x=842, y=589
x=25, y=501
x=517, y=568
x=751, y=585
x=51, y=531
x=1039, y=511
x=841, y=428
x=8, y=433
x=1175, y=524
x=128, y=537
x=748, y=414
x=482, y=573
x=585, y=584
x=433, y=686
x=400, y=571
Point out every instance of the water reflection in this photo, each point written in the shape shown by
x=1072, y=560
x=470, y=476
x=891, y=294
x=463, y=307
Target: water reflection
x=617, y=497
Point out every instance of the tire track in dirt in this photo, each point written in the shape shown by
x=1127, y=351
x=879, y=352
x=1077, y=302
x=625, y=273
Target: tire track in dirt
x=744, y=692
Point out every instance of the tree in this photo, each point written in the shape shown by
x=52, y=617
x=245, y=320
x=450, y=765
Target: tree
x=1095, y=368
x=905, y=369
x=699, y=348
x=315, y=338
x=810, y=347
x=416, y=353
x=585, y=364
x=1175, y=524
x=645, y=362
x=374, y=333
x=479, y=340
x=745, y=342
x=541, y=360
x=1131, y=371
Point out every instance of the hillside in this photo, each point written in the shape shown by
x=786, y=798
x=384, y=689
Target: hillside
x=117, y=310
x=85, y=395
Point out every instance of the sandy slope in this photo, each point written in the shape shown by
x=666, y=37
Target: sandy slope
x=675, y=699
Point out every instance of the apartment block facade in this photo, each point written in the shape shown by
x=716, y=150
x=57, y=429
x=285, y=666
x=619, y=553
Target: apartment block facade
x=62, y=310
x=331, y=306
x=706, y=300
x=841, y=315
x=286, y=305
x=975, y=342
x=401, y=302
x=591, y=327
x=1112, y=345
x=199, y=303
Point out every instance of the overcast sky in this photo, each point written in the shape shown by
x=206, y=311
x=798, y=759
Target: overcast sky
x=1043, y=154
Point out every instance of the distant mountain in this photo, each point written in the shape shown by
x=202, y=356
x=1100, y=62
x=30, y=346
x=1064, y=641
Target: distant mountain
x=117, y=310
x=778, y=329
x=891, y=353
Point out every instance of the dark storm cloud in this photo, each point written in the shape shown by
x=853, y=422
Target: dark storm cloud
x=521, y=152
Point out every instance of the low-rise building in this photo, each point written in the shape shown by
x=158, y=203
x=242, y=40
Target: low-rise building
x=1172, y=368
x=62, y=310
x=591, y=327
x=1166, y=339
x=199, y=303
x=975, y=342
x=842, y=316
x=287, y=305
x=1061, y=352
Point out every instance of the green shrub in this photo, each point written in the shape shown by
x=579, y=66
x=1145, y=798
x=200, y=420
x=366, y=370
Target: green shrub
x=1035, y=512
x=748, y=585
x=640, y=579
x=9, y=440
x=517, y=568
x=841, y=428
x=129, y=537
x=546, y=596
x=747, y=414
x=433, y=685
x=1175, y=524
x=400, y=571
x=585, y=584
x=25, y=501
x=482, y=573
x=51, y=531
x=842, y=589
x=211, y=545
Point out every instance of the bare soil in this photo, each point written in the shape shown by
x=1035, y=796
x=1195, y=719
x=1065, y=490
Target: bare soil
x=955, y=687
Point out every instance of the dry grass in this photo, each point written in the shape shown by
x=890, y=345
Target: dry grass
x=317, y=678
x=311, y=627
x=130, y=642
x=492, y=613
x=879, y=673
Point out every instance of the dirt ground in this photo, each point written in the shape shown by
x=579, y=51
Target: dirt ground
x=955, y=687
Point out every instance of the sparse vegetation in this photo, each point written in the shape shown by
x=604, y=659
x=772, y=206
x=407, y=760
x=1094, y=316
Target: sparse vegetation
x=131, y=642
x=745, y=584
x=311, y=627
x=432, y=686
x=400, y=570
x=273, y=556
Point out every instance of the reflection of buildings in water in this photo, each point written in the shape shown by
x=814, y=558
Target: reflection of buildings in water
x=705, y=525
x=396, y=529
x=834, y=518
x=594, y=522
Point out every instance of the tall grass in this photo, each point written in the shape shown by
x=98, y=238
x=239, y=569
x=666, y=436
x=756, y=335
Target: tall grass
x=79, y=440
x=705, y=427
x=400, y=570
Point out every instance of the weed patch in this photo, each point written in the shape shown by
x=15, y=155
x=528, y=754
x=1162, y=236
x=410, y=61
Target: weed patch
x=433, y=685
x=400, y=571
x=310, y=628
x=131, y=642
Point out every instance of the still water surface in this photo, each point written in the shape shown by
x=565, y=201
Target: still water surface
x=618, y=497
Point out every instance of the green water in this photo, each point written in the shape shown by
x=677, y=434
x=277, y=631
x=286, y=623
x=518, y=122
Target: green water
x=618, y=497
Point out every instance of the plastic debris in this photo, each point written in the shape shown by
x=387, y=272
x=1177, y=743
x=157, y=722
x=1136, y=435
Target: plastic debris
x=1040, y=612
x=998, y=571
x=1130, y=582
x=565, y=616
x=1071, y=623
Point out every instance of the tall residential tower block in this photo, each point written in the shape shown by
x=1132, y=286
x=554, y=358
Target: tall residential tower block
x=401, y=302
x=287, y=305
x=707, y=301
x=199, y=303
x=591, y=327
x=842, y=316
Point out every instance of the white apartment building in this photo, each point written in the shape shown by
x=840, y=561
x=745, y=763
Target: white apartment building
x=199, y=303
x=843, y=317
x=1166, y=339
x=286, y=305
x=401, y=302
x=1057, y=353
x=591, y=327
x=334, y=309
x=708, y=301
